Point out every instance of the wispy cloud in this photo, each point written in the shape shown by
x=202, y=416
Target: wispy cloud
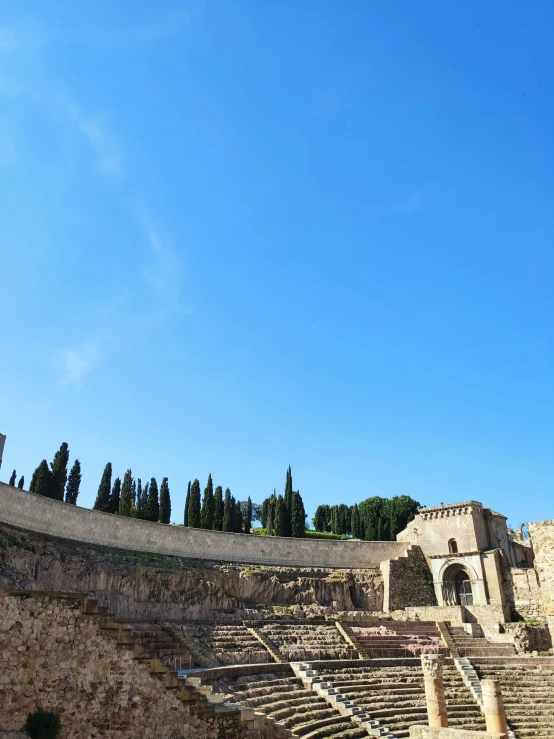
x=164, y=272
x=98, y=134
x=411, y=204
x=77, y=362
x=8, y=40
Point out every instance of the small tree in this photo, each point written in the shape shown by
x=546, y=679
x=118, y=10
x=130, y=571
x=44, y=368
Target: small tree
x=126, y=499
x=236, y=516
x=115, y=496
x=165, y=502
x=356, y=523
x=73, y=483
x=21, y=482
x=59, y=472
x=281, y=515
x=43, y=724
x=142, y=504
x=187, y=501
x=42, y=480
x=153, y=502
x=298, y=516
x=194, y=505
x=102, y=502
x=218, y=509
x=248, y=516
x=227, y=512
x=207, y=512
x=12, y=479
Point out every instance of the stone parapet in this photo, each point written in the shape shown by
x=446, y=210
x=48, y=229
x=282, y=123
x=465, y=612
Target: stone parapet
x=52, y=517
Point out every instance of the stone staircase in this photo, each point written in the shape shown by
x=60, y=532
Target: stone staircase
x=476, y=645
x=213, y=644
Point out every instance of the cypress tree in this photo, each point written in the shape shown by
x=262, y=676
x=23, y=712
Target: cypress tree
x=134, y=492
x=281, y=515
x=356, y=524
x=126, y=498
x=41, y=483
x=207, y=513
x=288, y=491
x=12, y=479
x=194, y=505
x=298, y=516
x=153, y=502
x=227, y=512
x=187, y=500
x=248, y=517
x=236, y=516
x=138, y=495
x=218, y=509
x=165, y=502
x=115, y=496
x=102, y=502
x=73, y=483
x=142, y=504
x=59, y=472
x=21, y=482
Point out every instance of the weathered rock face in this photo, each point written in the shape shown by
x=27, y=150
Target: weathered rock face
x=542, y=537
x=54, y=656
x=153, y=586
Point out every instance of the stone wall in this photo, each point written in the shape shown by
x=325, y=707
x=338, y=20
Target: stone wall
x=408, y=582
x=428, y=732
x=54, y=656
x=542, y=537
x=524, y=594
x=36, y=513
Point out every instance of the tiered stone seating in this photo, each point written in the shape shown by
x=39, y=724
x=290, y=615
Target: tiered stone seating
x=398, y=639
x=477, y=646
x=297, y=641
x=159, y=644
x=287, y=701
x=394, y=694
x=225, y=644
x=528, y=692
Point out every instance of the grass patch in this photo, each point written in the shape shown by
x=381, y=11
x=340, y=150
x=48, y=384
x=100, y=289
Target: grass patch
x=307, y=534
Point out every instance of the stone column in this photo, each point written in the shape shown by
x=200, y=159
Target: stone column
x=434, y=689
x=493, y=707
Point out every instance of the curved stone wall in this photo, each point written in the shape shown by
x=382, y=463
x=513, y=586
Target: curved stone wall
x=36, y=513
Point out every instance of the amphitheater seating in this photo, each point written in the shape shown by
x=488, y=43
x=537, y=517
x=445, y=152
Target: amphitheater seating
x=477, y=646
x=528, y=692
x=394, y=694
x=287, y=701
x=158, y=643
x=397, y=638
x=300, y=640
x=225, y=644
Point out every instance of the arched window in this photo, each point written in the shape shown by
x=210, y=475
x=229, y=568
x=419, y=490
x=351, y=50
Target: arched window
x=453, y=546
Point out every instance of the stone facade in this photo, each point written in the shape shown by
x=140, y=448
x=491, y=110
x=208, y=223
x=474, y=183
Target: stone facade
x=407, y=582
x=54, y=656
x=36, y=513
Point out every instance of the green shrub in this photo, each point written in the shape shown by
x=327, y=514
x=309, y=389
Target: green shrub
x=43, y=724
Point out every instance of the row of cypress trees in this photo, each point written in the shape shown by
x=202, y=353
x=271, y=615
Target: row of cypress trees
x=284, y=515
x=50, y=481
x=131, y=499
x=218, y=511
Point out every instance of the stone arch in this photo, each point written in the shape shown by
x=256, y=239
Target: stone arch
x=457, y=580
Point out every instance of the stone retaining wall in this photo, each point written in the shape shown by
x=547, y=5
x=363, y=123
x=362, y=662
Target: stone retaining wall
x=541, y=534
x=54, y=656
x=36, y=513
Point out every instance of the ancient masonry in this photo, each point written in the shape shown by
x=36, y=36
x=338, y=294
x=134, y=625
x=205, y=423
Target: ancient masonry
x=132, y=630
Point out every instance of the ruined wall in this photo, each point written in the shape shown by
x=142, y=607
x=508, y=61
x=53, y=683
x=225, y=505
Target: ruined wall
x=542, y=537
x=36, y=513
x=407, y=582
x=52, y=655
x=524, y=594
x=155, y=586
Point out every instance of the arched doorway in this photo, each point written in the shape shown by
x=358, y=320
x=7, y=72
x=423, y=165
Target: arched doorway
x=456, y=587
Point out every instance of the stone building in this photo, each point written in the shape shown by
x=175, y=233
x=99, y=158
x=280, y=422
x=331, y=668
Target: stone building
x=469, y=551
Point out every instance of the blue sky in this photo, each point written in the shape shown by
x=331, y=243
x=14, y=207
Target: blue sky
x=241, y=235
